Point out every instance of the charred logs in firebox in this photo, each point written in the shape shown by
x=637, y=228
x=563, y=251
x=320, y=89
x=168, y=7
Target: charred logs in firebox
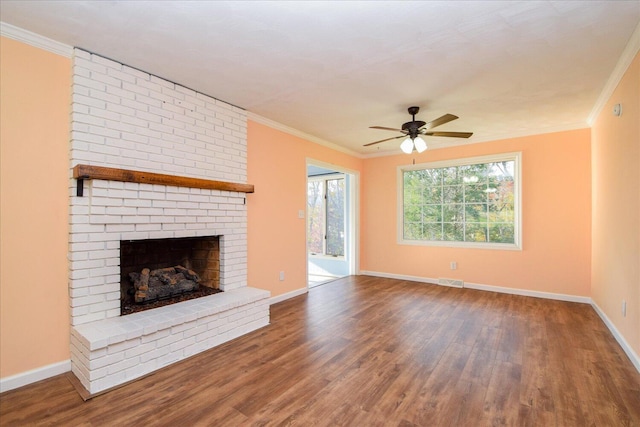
x=151, y=285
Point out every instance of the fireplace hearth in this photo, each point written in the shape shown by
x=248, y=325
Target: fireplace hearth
x=202, y=291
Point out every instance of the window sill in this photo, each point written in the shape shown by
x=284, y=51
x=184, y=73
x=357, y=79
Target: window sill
x=467, y=245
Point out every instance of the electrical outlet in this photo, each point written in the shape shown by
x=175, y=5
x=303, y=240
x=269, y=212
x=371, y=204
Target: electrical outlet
x=453, y=265
x=301, y=214
x=624, y=308
x=282, y=276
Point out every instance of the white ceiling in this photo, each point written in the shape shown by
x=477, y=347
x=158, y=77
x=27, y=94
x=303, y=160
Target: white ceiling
x=332, y=69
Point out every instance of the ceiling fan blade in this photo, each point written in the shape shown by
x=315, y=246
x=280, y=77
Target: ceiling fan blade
x=440, y=121
x=450, y=134
x=384, y=128
x=383, y=140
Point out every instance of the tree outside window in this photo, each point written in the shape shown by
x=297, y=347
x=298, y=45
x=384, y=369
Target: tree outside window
x=325, y=215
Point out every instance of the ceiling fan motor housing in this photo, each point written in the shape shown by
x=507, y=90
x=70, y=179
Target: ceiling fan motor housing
x=413, y=127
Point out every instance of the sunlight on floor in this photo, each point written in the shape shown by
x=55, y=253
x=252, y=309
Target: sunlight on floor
x=317, y=279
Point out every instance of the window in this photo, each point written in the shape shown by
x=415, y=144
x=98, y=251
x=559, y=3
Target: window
x=471, y=202
x=325, y=215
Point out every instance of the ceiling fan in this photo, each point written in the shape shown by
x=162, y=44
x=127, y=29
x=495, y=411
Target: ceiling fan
x=411, y=131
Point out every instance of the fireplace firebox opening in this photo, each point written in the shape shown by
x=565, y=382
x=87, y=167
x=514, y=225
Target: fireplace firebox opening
x=158, y=272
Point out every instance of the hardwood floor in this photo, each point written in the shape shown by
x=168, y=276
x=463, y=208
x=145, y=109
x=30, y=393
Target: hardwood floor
x=364, y=351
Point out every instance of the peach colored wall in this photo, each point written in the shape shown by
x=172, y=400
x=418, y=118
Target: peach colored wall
x=276, y=166
x=556, y=204
x=557, y=254
x=616, y=207
x=34, y=112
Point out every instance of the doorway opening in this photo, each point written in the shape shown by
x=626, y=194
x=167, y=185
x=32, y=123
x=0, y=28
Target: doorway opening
x=330, y=223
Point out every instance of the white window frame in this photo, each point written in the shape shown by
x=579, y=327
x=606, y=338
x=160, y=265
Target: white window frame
x=325, y=178
x=516, y=157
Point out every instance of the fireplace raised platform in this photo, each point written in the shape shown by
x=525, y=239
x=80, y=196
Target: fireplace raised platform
x=113, y=351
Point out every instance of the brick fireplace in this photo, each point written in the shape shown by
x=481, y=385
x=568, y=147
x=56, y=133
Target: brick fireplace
x=125, y=118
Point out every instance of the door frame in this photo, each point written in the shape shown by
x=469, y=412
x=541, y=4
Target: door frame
x=353, y=215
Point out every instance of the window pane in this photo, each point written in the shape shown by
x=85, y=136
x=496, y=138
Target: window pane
x=413, y=231
x=476, y=232
x=453, y=231
x=432, y=194
x=474, y=193
x=433, y=176
x=413, y=187
x=452, y=194
x=432, y=213
x=452, y=175
x=452, y=213
x=475, y=173
x=501, y=233
x=335, y=217
x=413, y=213
x=315, y=216
x=433, y=231
x=501, y=212
x=476, y=212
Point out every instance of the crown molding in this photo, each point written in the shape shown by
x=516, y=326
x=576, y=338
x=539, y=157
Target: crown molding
x=393, y=152
x=628, y=54
x=295, y=132
x=530, y=132
x=35, y=40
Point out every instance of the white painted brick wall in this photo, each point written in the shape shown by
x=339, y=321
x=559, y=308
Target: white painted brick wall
x=126, y=118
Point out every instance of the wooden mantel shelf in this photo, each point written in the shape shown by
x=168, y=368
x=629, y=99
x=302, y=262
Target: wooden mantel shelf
x=82, y=172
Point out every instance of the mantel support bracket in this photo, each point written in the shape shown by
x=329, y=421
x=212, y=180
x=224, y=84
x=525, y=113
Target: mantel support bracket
x=80, y=187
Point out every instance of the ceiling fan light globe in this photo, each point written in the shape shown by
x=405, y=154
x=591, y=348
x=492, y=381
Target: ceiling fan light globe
x=407, y=146
x=420, y=144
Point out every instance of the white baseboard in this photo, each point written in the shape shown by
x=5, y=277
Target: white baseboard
x=286, y=296
x=618, y=336
x=480, y=287
x=34, y=375
x=527, y=293
x=399, y=277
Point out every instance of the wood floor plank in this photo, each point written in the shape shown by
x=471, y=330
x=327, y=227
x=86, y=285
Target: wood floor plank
x=502, y=401
x=438, y=402
x=470, y=403
x=366, y=351
x=482, y=359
